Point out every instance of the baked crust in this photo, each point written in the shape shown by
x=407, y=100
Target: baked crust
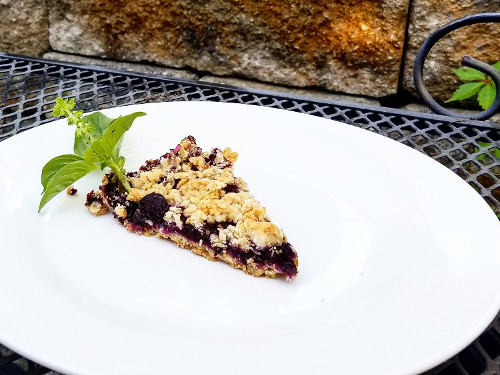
x=250, y=268
x=192, y=198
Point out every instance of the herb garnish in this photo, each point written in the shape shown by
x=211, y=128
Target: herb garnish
x=97, y=145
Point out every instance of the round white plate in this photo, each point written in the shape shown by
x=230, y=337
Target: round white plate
x=399, y=258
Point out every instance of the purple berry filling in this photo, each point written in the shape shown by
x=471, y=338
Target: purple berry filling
x=150, y=164
x=153, y=206
x=149, y=212
x=231, y=188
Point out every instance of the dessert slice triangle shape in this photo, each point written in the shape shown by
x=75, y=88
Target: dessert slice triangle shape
x=192, y=198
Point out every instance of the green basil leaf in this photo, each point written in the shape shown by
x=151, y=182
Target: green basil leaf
x=113, y=134
x=497, y=65
x=466, y=90
x=80, y=145
x=115, y=154
x=486, y=96
x=121, y=161
x=67, y=175
x=99, y=123
x=95, y=153
x=469, y=74
x=54, y=165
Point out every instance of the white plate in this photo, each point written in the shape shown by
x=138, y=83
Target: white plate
x=399, y=261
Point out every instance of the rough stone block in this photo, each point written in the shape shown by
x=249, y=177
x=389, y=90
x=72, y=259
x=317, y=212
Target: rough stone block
x=121, y=65
x=25, y=28
x=347, y=46
x=478, y=41
x=288, y=90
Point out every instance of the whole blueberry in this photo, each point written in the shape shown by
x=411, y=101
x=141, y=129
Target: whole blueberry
x=154, y=206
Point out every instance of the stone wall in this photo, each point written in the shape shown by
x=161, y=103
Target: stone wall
x=362, y=47
x=352, y=47
x=25, y=27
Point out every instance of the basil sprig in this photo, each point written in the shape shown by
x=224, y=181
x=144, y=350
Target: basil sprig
x=96, y=145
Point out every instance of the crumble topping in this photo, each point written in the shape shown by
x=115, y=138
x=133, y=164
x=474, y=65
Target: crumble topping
x=121, y=211
x=95, y=203
x=195, y=184
x=193, y=198
x=71, y=190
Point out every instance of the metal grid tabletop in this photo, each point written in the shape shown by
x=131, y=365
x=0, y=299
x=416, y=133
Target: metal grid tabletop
x=29, y=88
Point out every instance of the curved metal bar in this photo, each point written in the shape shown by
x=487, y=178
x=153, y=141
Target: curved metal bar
x=418, y=67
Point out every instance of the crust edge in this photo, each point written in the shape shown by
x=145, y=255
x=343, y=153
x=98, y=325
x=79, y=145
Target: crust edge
x=251, y=269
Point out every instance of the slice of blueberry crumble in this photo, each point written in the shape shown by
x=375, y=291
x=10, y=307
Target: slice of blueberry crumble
x=192, y=198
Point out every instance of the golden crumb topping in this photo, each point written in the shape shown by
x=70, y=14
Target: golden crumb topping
x=121, y=211
x=201, y=187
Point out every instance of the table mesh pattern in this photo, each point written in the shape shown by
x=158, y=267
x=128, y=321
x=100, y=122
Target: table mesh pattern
x=29, y=88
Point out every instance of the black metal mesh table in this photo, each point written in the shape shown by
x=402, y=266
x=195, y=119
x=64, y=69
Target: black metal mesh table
x=29, y=87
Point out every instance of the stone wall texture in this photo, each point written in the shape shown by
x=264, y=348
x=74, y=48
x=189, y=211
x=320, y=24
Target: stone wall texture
x=25, y=28
x=362, y=47
x=480, y=41
x=349, y=46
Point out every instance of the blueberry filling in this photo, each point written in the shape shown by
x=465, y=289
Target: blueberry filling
x=150, y=210
x=154, y=206
x=91, y=198
x=231, y=188
x=212, y=156
x=150, y=164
